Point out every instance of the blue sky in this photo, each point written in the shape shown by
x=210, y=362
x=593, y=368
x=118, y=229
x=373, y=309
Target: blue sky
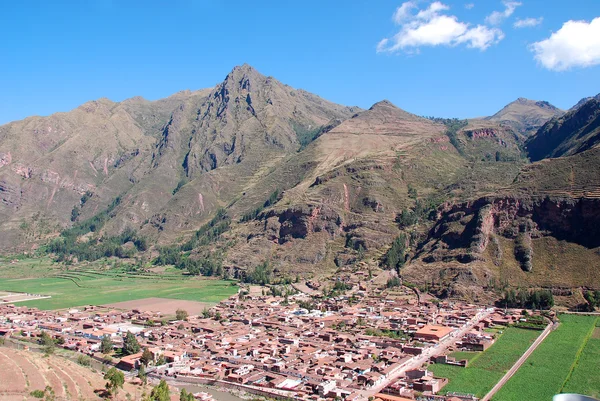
x=449, y=58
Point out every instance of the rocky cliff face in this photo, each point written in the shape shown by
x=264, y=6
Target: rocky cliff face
x=575, y=132
x=464, y=231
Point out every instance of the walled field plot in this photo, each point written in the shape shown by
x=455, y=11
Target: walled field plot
x=564, y=362
x=90, y=286
x=487, y=368
x=585, y=378
x=162, y=305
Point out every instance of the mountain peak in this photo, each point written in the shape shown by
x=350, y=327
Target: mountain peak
x=526, y=115
x=384, y=104
x=244, y=69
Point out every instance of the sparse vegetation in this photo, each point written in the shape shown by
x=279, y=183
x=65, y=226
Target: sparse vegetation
x=254, y=213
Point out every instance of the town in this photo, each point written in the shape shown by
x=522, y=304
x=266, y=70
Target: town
x=363, y=346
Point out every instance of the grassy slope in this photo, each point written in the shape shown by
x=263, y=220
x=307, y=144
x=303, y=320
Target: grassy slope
x=544, y=373
x=102, y=289
x=486, y=369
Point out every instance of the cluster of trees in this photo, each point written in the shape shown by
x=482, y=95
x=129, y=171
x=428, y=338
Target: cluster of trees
x=453, y=125
x=593, y=299
x=261, y=274
x=396, y=255
x=207, y=266
x=210, y=232
x=77, y=208
x=306, y=135
x=254, y=213
x=67, y=246
x=423, y=209
x=130, y=345
x=395, y=334
x=393, y=282
x=172, y=255
x=94, y=223
x=535, y=299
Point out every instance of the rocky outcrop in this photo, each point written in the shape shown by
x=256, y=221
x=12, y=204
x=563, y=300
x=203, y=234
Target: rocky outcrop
x=464, y=231
x=298, y=222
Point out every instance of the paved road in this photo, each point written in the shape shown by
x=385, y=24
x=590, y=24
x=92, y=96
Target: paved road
x=520, y=362
x=419, y=360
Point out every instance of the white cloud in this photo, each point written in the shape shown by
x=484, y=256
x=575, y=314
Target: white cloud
x=576, y=44
x=469, y=6
x=432, y=27
x=527, y=22
x=497, y=17
x=403, y=12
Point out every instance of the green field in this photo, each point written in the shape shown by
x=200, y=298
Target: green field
x=565, y=362
x=462, y=355
x=99, y=284
x=487, y=368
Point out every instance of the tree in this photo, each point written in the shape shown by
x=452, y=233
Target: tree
x=48, y=342
x=142, y=374
x=46, y=339
x=412, y=192
x=160, y=392
x=396, y=255
x=181, y=314
x=185, y=396
x=131, y=345
x=205, y=313
x=106, y=346
x=115, y=380
x=146, y=357
x=161, y=360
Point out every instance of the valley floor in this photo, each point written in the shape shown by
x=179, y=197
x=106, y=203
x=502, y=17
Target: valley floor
x=103, y=284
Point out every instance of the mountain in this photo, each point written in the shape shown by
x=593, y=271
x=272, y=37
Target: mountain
x=254, y=173
x=142, y=151
x=576, y=131
x=541, y=230
x=584, y=101
x=525, y=116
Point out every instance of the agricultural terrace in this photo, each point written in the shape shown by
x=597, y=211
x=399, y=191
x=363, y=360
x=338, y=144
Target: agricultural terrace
x=485, y=369
x=102, y=284
x=566, y=362
x=24, y=373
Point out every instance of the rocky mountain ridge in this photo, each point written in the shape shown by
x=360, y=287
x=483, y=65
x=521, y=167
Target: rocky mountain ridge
x=306, y=186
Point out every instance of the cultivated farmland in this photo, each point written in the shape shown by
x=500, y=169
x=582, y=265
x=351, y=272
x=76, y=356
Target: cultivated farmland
x=99, y=284
x=23, y=372
x=562, y=363
x=487, y=368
